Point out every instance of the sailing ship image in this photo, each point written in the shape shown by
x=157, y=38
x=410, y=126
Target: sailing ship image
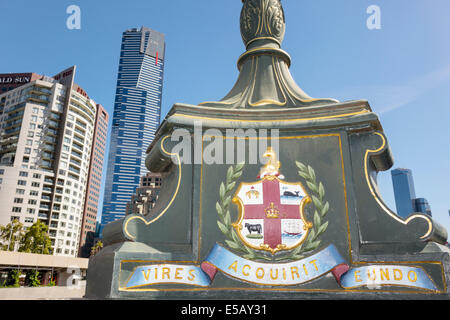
x=293, y=228
x=292, y=231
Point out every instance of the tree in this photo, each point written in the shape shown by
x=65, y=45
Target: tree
x=13, y=278
x=36, y=240
x=96, y=248
x=11, y=234
x=32, y=278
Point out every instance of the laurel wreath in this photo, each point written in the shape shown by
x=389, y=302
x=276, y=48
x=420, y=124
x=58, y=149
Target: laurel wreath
x=224, y=222
x=232, y=239
x=312, y=242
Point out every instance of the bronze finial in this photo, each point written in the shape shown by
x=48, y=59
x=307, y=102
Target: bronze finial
x=265, y=80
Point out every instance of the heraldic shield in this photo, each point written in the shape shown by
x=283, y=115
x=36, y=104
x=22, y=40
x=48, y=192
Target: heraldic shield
x=271, y=212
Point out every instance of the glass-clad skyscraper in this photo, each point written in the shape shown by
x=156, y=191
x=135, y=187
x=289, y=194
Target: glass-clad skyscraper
x=136, y=117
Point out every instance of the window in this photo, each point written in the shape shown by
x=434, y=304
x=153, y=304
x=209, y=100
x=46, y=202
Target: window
x=20, y=191
x=29, y=142
x=21, y=183
x=31, y=211
x=30, y=134
x=2, y=171
x=34, y=193
x=16, y=210
x=15, y=218
x=29, y=220
x=32, y=201
x=35, y=110
x=18, y=200
x=23, y=174
x=35, y=184
x=36, y=176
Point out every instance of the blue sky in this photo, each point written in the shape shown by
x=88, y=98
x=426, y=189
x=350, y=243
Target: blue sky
x=403, y=69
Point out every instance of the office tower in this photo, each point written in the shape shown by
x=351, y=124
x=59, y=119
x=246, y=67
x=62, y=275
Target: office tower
x=46, y=137
x=146, y=195
x=136, y=117
x=405, y=194
x=404, y=191
x=422, y=205
x=89, y=222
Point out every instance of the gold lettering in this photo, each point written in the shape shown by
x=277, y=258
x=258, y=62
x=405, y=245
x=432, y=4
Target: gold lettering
x=258, y=273
x=177, y=274
x=271, y=274
x=370, y=276
x=284, y=274
x=191, y=275
x=243, y=270
x=398, y=274
x=146, y=274
x=234, y=266
x=384, y=274
x=314, y=263
x=306, y=271
x=357, y=276
x=415, y=276
x=156, y=273
x=294, y=270
x=165, y=272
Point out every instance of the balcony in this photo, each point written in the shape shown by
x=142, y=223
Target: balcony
x=44, y=206
x=76, y=146
x=50, y=140
x=43, y=215
x=35, y=97
x=78, y=139
x=81, y=132
x=74, y=170
x=47, y=190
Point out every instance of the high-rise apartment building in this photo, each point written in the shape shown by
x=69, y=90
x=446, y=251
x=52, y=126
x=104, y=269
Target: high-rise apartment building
x=89, y=222
x=48, y=126
x=137, y=112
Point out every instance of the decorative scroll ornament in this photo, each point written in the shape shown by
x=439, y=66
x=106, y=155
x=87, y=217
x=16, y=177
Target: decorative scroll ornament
x=265, y=80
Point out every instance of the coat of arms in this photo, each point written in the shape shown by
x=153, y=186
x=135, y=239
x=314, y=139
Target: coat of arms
x=271, y=214
x=272, y=224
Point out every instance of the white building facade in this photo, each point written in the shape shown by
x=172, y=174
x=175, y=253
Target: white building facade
x=46, y=134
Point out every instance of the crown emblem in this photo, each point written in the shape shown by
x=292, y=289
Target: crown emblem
x=252, y=194
x=272, y=212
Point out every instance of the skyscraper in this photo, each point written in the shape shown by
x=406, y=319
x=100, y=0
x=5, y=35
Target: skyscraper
x=405, y=194
x=136, y=117
x=404, y=191
x=46, y=143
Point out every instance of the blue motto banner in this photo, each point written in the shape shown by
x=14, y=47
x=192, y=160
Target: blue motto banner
x=280, y=274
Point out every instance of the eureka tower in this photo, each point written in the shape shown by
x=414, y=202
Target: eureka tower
x=137, y=112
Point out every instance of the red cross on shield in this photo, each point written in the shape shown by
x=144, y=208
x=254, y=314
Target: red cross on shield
x=271, y=214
